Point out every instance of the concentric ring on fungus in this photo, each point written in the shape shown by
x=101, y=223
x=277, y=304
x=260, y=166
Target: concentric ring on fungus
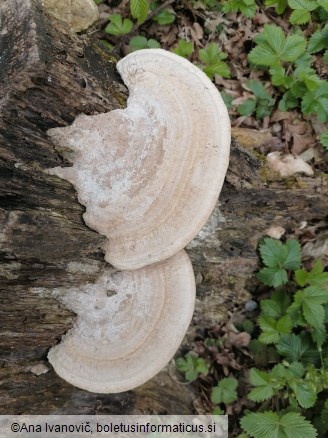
x=150, y=175
x=129, y=325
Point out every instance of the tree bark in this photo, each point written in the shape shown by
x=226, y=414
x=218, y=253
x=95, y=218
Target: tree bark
x=49, y=76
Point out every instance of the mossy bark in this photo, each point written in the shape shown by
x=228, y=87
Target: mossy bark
x=48, y=76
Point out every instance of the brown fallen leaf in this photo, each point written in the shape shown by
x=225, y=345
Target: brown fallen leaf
x=238, y=340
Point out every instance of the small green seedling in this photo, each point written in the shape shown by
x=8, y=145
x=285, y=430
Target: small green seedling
x=225, y=391
x=262, y=103
x=212, y=59
x=184, y=49
x=192, y=366
x=141, y=42
x=118, y=25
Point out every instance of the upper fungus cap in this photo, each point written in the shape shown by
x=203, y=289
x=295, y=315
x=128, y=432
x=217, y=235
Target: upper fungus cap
x=150, y=175
x=129, y=325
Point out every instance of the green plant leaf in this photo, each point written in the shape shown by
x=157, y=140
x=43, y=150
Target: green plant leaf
x=225, y=392
x=323, y=4
x=118, y=26
x=278, y=257
x=139, y=10
x=272, y=329
x=271, y=425
x=273, y=47
x=279, y=4
x=273, y=276
x=141, y=42
x=138, y=42
x=306, y=5
x=315, y=277
x=298, y=348
x=246, y=7
x=305, y=395
x=218, y=68
x=317, y=102
x=184, y=49
x=295, y=46
x=227, y=99
x=318, y=41
x=293, y=257
x=277, y=305
x=153, y=44
x=164, y=17
x=263, y=387
x=247, y=108
x=192, y=366
x=300, y=16
x=324, y=139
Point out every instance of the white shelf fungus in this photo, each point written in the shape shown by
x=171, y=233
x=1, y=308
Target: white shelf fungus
x=150, y=175
x=129, y=325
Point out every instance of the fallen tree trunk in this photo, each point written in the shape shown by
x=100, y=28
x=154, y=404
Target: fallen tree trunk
x=48, y=76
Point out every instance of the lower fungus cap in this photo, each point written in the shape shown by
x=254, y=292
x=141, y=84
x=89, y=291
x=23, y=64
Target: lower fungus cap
x=150, y=175
x=129, y=326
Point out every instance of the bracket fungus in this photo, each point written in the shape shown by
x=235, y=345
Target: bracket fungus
x=129, y=325
x=150, y=175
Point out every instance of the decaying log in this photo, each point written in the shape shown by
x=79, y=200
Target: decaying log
x=48, y=76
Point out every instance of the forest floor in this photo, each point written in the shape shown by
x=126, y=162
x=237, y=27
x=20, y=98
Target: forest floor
x=272, y=112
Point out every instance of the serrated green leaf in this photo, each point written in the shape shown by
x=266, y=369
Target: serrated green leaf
x=288, y=101
x=184, y=49
x=164, y=17
x=318, y=41
x=277, y=305
x=260, y=394
x=275, y=37
x=139, y=10
x=225, y=392
x=297, y=369
x=316, y=277
x=246, y=7
x=270, y=334
x=218, y=68
x=298, y=348
x=271, y=252
x=284, y=325
x=307, y=5
x=271, y=425
x=273, y=276
x=263, y=55
x=301, y=276
x=293, y=257
x=279, y=4
x=227, y=99
x=201, y=366
x=312, y=300
x=138, y=42
x=258, y=378
x=323, y=4
x=118, y=26
x=210, y=54
x=192, y=366
x=247, y=108
x=300, y=16
x=258, y=89
x=324, y=139
x=264, y=109
x=153, y=44
x=305, y=395
x=295, y=46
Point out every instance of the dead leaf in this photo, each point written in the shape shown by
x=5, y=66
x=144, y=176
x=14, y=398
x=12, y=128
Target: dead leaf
x=288, y=165
x=239, y=340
